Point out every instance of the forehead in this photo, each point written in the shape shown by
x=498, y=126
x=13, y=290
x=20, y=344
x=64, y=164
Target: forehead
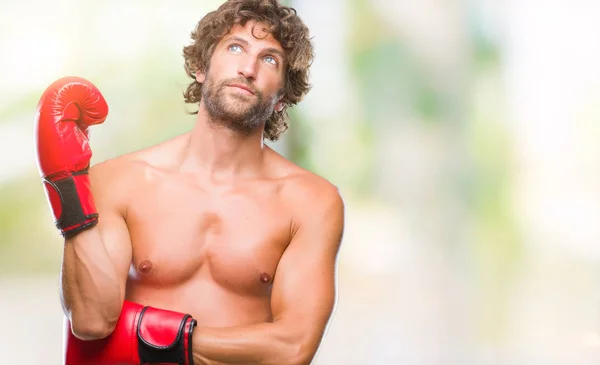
x=254, y=33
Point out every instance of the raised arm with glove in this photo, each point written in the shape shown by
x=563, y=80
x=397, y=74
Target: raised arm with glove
x=66, y=110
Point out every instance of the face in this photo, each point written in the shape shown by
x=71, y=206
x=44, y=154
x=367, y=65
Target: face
x=243, y=83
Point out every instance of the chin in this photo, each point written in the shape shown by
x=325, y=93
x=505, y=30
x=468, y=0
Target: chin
x=235, y=112
x=237, y=107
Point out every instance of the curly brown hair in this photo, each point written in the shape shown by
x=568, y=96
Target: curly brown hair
x=285, y=26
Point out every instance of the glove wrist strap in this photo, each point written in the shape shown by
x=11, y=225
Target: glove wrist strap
x=72, y=202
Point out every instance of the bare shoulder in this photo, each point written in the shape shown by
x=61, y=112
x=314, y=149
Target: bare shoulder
x=116, y=170
x=311, y=192
x=309, y=196
x=112, y=181
x=121, y=174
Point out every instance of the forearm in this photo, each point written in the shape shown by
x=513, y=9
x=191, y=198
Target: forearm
x=260, y=344
x=90, y=290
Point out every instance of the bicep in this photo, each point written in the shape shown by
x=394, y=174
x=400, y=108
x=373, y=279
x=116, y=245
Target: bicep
x=304, y=290
x=110, y=201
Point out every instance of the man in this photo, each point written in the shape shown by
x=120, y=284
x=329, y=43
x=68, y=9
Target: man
x=209, y=248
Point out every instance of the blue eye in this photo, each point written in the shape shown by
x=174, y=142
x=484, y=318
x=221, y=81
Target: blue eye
x=235, y=48
x=271, y=60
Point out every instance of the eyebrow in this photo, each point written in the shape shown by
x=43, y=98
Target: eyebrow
x=269, y=50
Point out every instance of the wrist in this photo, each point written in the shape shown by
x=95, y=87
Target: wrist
x=72, y=202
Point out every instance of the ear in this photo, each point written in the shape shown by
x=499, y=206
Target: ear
x=279, y=106
x=200, y=76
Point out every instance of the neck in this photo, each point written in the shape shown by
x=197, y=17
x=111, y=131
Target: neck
x=220, y=153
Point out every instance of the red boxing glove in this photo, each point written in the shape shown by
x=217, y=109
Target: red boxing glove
x=143, y=335
x=65, y=111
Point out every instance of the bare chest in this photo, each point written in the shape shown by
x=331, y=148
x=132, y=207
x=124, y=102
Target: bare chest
x=182, y=235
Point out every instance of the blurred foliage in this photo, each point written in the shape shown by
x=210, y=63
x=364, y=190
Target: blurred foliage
x=11, y=111
x=396, y=87
x=297, y=137
x=495, y=246
x=28, y=244
x=402, y=83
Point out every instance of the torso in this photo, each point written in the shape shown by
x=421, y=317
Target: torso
x=210, y=252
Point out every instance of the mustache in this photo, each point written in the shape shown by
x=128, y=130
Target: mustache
x=241, y=81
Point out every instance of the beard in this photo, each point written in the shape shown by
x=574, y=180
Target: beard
x=241, y=113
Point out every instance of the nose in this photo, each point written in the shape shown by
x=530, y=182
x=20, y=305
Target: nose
x=247, y=67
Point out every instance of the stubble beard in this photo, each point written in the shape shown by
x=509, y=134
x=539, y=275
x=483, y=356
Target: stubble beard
x=236, y=112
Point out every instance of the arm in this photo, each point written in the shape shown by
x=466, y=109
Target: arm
x=95, y=256
x=96, y=262
x=302, y=300
x=102, y=328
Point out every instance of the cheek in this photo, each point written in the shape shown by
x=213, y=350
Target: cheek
x=271, y=92
x=221, y=67
x=274, y=85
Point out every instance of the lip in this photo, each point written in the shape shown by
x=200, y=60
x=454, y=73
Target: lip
x=242, y=87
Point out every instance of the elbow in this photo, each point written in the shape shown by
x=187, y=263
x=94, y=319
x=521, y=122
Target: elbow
x=91, y=330
x=301, y=353
x=301, y=356
x=88, y=327
x=298, y=344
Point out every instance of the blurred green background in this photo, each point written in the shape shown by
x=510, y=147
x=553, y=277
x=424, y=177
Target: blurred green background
x=464, y=136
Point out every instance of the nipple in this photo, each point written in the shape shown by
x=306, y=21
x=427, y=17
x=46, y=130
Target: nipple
x=265, y=278
x=145, y=266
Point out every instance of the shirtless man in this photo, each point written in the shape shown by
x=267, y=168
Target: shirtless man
x=209, y=248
